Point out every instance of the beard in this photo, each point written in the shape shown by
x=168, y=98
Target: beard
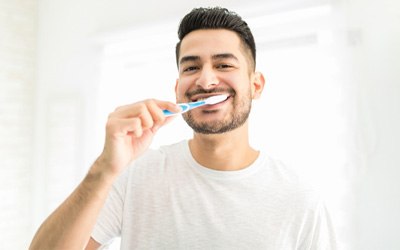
x=236, y=118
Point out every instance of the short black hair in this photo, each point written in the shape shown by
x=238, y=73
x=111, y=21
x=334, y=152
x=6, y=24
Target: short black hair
x=216, y=18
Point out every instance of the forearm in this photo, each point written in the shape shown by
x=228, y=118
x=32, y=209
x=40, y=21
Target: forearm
x=70, y=225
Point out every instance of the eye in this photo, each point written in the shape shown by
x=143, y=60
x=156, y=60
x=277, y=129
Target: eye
x=190, y=69
x=224, y=66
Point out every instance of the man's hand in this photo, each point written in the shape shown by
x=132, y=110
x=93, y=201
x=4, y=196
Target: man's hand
x=129, y=132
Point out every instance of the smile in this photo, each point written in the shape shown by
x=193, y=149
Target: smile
x=197, y=98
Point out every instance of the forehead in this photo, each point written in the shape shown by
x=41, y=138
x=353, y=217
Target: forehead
x=208, y=42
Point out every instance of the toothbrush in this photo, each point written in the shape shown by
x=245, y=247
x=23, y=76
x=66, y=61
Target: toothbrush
x=191, y=105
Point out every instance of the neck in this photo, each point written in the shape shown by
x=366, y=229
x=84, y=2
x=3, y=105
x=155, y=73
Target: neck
x=228, y=151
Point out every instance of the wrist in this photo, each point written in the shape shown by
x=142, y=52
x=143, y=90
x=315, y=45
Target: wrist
x=100, y=171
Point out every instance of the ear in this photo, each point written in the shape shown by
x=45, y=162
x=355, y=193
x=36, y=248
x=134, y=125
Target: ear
x=257, y=85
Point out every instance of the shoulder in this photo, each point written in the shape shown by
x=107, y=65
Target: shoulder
x=306, y=201
x=280, y=172
x=291, y=182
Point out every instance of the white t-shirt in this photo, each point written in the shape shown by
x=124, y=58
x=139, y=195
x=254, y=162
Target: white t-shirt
x=166, y=200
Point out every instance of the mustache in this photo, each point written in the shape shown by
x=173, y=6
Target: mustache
x=230, y=91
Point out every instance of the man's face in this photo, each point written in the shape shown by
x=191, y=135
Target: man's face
x=214, y=62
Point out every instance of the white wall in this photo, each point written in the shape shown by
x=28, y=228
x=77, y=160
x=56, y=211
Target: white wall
x=67, y=86
x=18, y=33
x=377, y=122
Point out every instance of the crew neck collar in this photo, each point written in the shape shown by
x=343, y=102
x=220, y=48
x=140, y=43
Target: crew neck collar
x=221, y=174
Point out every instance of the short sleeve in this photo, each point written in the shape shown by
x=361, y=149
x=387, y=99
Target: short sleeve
x=109, y=222
x=323, y=232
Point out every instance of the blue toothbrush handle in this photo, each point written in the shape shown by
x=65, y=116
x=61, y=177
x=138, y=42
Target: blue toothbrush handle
x=184, y=107
x=168, y=113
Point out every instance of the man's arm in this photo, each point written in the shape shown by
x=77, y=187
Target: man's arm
x=129, y=132
x=70, y=225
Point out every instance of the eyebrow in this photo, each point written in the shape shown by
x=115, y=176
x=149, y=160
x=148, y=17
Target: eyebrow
x=189, y=59
x=225, y=56
x=214, y=57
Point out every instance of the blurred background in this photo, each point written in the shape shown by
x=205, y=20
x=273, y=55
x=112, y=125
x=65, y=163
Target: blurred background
x=331, y=105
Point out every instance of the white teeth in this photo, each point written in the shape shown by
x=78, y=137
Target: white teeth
x=200, y=99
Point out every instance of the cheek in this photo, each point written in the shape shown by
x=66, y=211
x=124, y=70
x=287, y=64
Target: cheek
x=186, y=84
x=239, y=83
x=181, y=89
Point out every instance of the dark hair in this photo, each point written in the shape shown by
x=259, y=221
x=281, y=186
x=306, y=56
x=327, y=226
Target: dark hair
x=216, y=18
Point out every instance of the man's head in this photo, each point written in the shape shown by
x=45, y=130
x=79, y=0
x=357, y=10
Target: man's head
x=216, y=55
x=218, y=18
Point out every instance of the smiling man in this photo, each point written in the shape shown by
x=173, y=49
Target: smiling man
x=213, y=191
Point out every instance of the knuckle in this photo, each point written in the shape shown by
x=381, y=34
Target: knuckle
x=150, y=100
x=141, y=107
x=148, y=123
x=110, y=124
x=136, y=122
x=118, y=108
x=111, y=120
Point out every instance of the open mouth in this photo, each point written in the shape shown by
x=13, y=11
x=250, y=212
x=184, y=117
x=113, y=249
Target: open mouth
x=203, y=97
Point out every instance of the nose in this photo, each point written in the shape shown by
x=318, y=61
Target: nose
x=207, y=79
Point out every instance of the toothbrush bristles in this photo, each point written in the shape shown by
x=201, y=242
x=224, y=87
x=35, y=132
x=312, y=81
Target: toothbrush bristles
x=216, y=99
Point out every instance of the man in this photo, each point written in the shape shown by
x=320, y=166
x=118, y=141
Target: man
x=211, y=192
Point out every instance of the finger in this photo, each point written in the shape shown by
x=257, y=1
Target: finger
x=132, y=126
x=135, y=109
x=122, y=127
x=147, y=120
x=173, y=107
x=156, y=113
x=129, y=111
x=155, y=116
x=137, y=132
